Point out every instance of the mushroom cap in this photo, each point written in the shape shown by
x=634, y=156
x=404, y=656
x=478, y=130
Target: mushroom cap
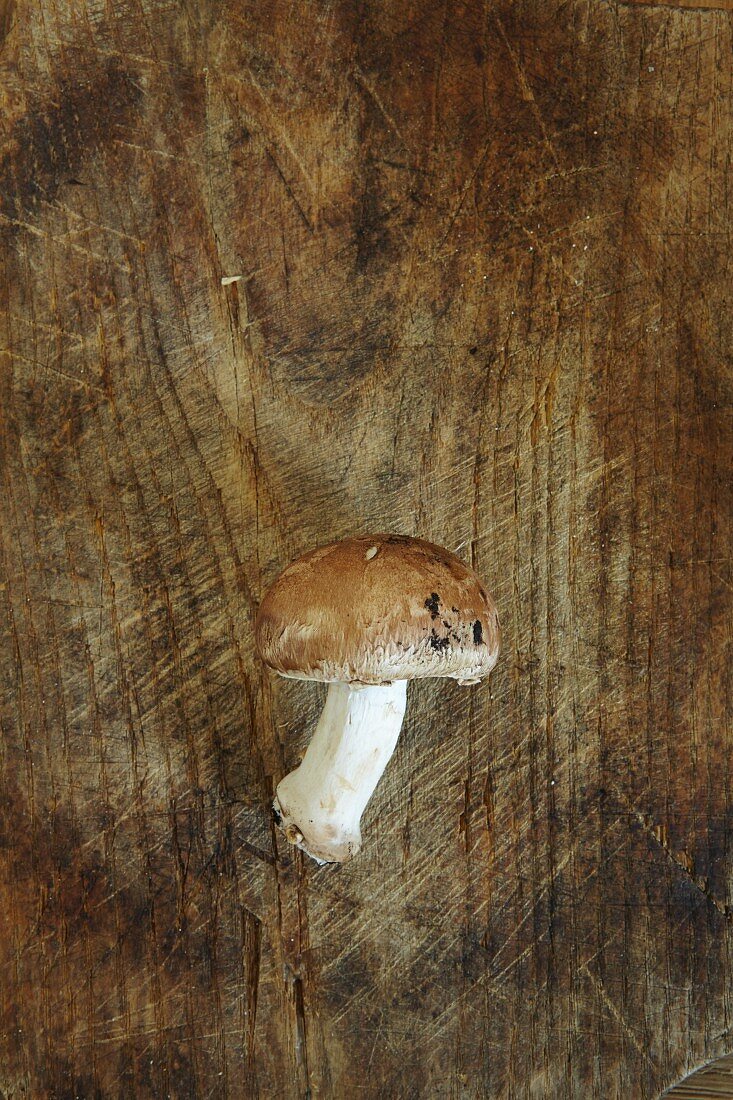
x=378, y=608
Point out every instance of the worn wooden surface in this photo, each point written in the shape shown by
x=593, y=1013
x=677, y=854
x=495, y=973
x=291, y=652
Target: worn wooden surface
x=485, y=298
x=713, y=1082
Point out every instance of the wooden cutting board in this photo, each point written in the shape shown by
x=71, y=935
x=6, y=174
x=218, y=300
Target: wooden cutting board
x=278, y=272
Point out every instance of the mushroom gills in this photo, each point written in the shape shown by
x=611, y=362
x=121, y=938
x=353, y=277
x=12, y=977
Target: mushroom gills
x=319, y=804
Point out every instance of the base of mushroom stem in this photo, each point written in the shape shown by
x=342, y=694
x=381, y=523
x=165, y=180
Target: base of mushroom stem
x=327, y=848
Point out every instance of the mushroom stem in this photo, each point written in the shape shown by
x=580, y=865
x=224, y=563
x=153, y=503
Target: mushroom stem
x=319, y=805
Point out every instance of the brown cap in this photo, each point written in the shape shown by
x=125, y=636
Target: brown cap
x=375, y=609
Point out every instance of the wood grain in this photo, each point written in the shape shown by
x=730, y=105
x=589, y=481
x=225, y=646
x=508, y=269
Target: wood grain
x=483, y=296
x=713, y=1082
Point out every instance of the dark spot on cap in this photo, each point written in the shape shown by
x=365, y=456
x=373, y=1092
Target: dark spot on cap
x=438, y=644
x=433, y=605
x=472, y=351
x=478, y=633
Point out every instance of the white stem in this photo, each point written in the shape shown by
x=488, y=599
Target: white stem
x=320, y=803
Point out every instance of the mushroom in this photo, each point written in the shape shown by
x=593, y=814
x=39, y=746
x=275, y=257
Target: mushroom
x=365, y=615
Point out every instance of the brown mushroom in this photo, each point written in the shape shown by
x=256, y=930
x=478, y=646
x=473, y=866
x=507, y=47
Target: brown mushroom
x=366, y=615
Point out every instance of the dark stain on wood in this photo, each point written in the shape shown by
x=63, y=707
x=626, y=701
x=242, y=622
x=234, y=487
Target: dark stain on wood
x=7, y=9
x=48, y=147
